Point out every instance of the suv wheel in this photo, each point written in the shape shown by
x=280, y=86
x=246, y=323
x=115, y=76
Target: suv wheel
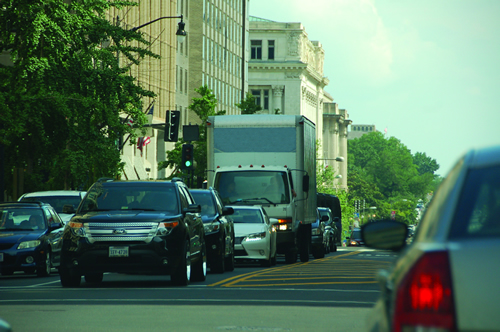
x=182, y=274
x=45, y=268
x=230, y=259
x=200, y=269
x=69, y=278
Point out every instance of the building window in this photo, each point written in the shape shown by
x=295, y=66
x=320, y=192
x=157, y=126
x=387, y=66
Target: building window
x=266, y=100
x=180, y=79
x=270, y=49
x=256, y=94
x=256, y=49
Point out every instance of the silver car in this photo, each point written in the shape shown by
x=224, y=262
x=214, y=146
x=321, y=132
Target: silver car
x=447, y=278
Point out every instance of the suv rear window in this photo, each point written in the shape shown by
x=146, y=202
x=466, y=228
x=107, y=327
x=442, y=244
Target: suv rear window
x=478, y=213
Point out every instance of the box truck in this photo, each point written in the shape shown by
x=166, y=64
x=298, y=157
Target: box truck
x=268, y=160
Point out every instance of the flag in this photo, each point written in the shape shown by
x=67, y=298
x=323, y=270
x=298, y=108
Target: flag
x=142, y=142
x=151, y=110
x=385, y=130
x=129, y=122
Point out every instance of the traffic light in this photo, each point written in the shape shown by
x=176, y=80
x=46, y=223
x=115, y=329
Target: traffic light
x=172, y=121
x=187, y=156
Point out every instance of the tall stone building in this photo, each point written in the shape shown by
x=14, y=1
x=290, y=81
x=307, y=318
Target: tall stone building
x=215, y=53
x=286, y=77
x=358, y=130
x=157, y=75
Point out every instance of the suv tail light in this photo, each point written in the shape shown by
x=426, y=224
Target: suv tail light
x=425, y=297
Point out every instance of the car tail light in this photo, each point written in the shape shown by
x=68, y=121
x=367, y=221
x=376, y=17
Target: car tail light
x=425, y=297
x=285, y=224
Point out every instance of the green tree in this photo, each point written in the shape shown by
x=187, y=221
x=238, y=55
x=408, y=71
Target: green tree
x=63, y=100
x=383, y=172
x=204, y=107
x=248, y=105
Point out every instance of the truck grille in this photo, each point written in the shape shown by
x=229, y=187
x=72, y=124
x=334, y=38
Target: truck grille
x=121, y=232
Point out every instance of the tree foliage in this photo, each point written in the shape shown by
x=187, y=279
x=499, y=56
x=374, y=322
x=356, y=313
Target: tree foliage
x=383, y=172
x=62, y=99
x=248, y=105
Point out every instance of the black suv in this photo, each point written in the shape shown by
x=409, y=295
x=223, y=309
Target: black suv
x=30, y=238
x=140, y=227
x=219, y=230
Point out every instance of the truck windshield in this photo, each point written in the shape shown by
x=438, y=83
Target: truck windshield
x=253, y=187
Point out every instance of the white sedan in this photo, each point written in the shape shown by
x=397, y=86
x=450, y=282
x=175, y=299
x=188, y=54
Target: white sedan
x=255, y=235
x=447, y=278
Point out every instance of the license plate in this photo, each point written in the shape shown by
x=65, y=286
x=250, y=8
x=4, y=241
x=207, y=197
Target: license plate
x=1, y=256
x=118, y=251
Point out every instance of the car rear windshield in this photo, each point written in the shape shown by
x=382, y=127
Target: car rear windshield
x=247, y=216
x=478, y=212
x=57, y=202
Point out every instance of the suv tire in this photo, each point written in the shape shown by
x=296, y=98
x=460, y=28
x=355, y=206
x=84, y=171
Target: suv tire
x=199, y=272
x=182, y=274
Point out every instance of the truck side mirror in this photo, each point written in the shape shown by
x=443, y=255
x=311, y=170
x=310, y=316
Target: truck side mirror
x=305, y=183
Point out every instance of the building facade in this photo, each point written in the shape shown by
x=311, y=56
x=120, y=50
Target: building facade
x=286, y=77
x=358, y=130
x=216, y=53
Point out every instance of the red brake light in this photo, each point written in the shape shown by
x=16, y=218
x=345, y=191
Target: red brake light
x=425, y=297
x=285, y=221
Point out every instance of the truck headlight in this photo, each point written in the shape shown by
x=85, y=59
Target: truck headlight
x=28, y=244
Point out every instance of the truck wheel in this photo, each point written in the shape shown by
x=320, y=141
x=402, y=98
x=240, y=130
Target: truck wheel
x=199, y=272
x=290, y=258
x=182, y=273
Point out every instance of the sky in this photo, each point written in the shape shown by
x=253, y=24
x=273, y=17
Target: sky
x=428, y=71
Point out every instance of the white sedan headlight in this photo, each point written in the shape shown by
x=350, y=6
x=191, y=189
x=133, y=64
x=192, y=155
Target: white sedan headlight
x=256, y=236
x=28, y=244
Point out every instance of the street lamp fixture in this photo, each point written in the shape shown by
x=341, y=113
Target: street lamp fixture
x=340, y=159
x=181, y=33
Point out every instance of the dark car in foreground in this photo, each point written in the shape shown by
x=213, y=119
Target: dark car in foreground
x=30, y=238
x=219, y=229
x=447, y=278
x=140, y=227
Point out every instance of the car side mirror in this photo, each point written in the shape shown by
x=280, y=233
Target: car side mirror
x=55, y=225
x=385, y=234
x=193, y=208
x=227, y=211
x=305, y=183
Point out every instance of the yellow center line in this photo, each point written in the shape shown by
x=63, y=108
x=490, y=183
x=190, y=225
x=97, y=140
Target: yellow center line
x=244, y=277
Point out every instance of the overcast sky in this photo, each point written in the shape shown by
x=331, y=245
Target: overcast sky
x=428, y=71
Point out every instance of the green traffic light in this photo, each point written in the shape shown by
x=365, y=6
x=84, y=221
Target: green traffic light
x=188, y=163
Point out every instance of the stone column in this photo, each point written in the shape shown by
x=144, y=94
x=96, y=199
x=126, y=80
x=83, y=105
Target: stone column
x=277, y=99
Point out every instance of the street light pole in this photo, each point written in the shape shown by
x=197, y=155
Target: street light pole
x=181, y=33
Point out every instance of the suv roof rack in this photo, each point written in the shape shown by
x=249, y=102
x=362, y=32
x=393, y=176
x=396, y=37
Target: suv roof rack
x=105, y=179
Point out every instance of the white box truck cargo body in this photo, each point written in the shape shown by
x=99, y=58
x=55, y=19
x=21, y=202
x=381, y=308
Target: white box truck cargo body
x=268, y=160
